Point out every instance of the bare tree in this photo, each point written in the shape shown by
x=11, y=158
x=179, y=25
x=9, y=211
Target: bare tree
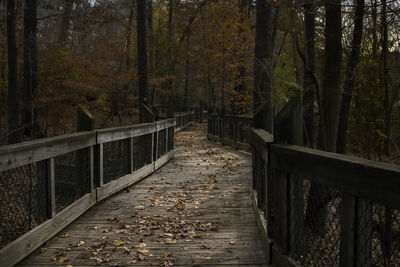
x=143, y=69
x=14, y=135
x=262, y=64
x=386, y=100
x=309, y=68
x=329, y=110
x=30, y=80
x=349, y=80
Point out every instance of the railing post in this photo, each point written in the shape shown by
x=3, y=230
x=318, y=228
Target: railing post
x=356, y=232
x=153, y=157
x=85, y=122
x=173, y=138
x=156, y=142
x=288, y=127
x=254, y=167
x=51, y=187
x=235, y=131
x=131, y=157
x=221, y=129
x=166, y=140
x=98, y=156
x=92, y=170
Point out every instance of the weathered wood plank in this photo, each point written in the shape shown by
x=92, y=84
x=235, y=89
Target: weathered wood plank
x=163, y=159
x=51, y=187
x=30, y=241
x=112, y=187
x=12, y=156
x=262, y=228
x=199, y=172
x=164, y=124
x=259, y=138
x=124, y=132
x=363, y=178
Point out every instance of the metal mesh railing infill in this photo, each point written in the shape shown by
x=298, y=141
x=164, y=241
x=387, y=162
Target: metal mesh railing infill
x=72, y=177
x=42, y=180
x=321, y=208
x=24, y=200
x=115, y=160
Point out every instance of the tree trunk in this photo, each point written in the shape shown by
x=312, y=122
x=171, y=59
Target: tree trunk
x=330, y=102
x=14, y=134
x=386, y=101
x=128, y=39
x=320, y=195
x=170, y=82
x=309, y=68
x=3, y=48
x=143, y=72
x=374, y=7
x=151, y=49
x=262, y=65
x=349, y=80
x=29, y=116
x=187, y=74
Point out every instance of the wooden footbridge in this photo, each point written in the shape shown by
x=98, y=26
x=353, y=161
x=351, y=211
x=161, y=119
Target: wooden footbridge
x=152, y=195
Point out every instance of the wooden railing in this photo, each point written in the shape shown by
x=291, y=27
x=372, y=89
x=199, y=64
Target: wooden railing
x=229, y=129
x=316, y=208
x=183, y=119
x=46, y=184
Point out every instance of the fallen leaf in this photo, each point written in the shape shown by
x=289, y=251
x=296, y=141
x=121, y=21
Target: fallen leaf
x=169, y=241
x=43, y=250
x=63, y=259
x=66, y=235
x=107, y=230
x=232, y=242
x=119, y=242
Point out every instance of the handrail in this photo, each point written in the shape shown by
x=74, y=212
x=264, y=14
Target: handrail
x=12, y=156
x=66, y=175
x=376, y=181
x=361, y=199
x=230, y=130
x=320, y=208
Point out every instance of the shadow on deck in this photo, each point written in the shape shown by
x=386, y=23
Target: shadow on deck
x=194, y=211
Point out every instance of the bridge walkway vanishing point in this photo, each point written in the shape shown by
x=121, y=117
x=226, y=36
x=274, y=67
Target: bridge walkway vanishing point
x=194, y=211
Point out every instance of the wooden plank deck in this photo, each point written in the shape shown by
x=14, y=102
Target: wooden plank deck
x=195, y=211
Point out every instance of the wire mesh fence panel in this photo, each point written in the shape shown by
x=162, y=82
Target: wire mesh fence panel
x=243, y=128
x=315, y=231
x=72, y=177
x=227, y=129
x=214, y=125
x=147, y=153
x=155, y=143
x=161, y=143
x=382, y=235
x=142, y=151
x=171, y=135
x=23, y=200
x=115, y=160
x=180, y=121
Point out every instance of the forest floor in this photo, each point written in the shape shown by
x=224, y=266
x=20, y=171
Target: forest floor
x=194, y=211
